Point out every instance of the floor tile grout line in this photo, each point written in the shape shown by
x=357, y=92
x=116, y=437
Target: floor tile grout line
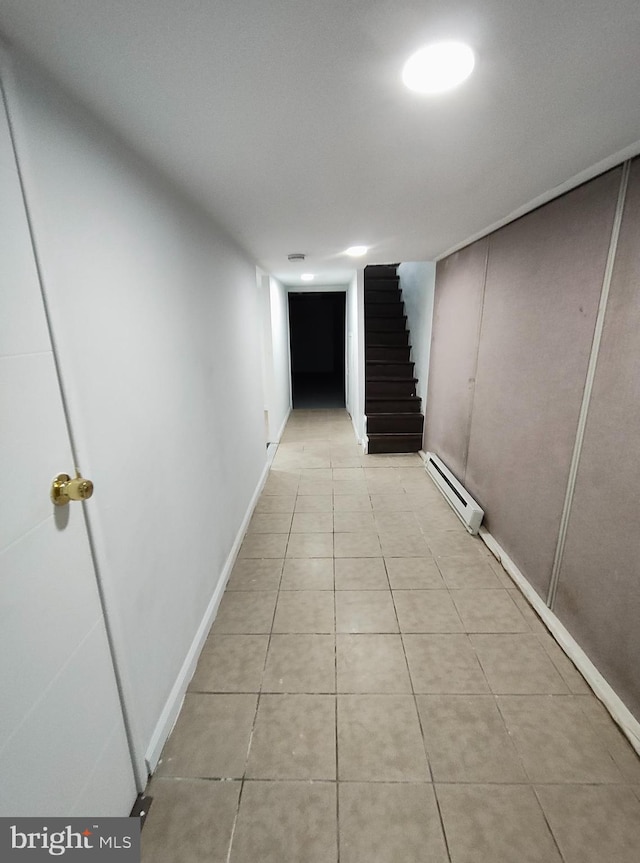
x=547, y=822
x=335, y=642
x=235, y=822
x=523, y=783
x=422, y=735
x=442, y=824
x=264, y=666
x=514, y=745
x=592, y=725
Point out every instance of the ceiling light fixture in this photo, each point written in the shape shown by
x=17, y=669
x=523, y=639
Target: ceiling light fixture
x=356, y=251
x=307, y=277
x=438, y=67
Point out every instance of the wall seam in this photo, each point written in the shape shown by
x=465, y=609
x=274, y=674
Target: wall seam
x=588, y=386
x=475, y=368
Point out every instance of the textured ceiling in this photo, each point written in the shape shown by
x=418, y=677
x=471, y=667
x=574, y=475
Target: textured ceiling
x=288, y=121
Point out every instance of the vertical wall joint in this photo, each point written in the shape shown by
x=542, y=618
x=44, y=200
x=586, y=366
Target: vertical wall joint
x=477, y=360
x=588, y=387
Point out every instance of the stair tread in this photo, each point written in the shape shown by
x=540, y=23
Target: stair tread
x=396, y=401
x=393, y=434
x=383, y=378
x=381, y=269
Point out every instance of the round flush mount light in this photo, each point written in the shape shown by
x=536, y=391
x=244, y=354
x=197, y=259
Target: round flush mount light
x=356, y=251
x=439, y=67
x=307, y=277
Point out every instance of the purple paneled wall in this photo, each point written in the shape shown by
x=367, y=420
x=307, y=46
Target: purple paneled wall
x=540, y=304
x=599, y=587
x=454, y=350
x=509, y=358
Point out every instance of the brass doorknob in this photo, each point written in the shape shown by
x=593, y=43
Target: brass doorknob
x=64, y=489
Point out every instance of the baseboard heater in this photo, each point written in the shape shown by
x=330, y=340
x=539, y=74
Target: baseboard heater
x=458, y=498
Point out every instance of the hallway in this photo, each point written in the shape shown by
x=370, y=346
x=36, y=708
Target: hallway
x=375, y=689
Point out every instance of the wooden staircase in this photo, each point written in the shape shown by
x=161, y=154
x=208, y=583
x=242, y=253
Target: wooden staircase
x=394, y=418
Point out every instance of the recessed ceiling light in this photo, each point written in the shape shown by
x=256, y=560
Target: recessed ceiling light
x=438, y=67
x=307, y=277
x=356, y=251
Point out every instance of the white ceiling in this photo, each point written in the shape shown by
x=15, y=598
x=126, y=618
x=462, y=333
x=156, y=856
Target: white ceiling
x=288, y=121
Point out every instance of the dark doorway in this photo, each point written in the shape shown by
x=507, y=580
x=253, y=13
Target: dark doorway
x=316, y=332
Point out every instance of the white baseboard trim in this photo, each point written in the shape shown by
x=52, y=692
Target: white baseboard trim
x=620, y=713
x=355, y=429
x=173, y=704
x=283, y=426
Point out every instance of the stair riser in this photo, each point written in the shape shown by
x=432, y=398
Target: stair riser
x=383, y=310
x=390, y=388
x=385, y=325
x=380, y=272
x=398, y=337
x=372, y=296
x=391, y=288
x=390, y=353
x=391, y=406
x=395, y=424
x=395, y=443
x=389, y=370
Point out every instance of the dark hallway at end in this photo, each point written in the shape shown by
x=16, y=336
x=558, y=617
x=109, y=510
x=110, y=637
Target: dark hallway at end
x=317, y=338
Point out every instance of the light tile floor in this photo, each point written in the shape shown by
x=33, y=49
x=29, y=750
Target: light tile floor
x=375, y=689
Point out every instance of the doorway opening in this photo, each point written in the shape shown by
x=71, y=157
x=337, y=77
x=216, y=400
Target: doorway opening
x=317, y=339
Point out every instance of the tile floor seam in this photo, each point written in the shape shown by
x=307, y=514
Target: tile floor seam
x=426, y=752
x=442, y=824
x=335, y=672
x=422, y=734
x=570, y=698
x=479, y=663
x=235, y=822
x=337, y=751
x=548, y=823
x=260, y=685
x=514, y=744
x=591, y=723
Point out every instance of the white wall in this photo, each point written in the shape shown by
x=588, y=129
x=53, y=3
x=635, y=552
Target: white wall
x=155, y=319
x=355, y=353
x=417, y=282
x=280, y=395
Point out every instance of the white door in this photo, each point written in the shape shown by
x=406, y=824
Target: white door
x=63, y=747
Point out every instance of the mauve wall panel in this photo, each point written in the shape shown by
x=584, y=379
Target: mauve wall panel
x=541, y=298
x=454, y=347
x=599, y=588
